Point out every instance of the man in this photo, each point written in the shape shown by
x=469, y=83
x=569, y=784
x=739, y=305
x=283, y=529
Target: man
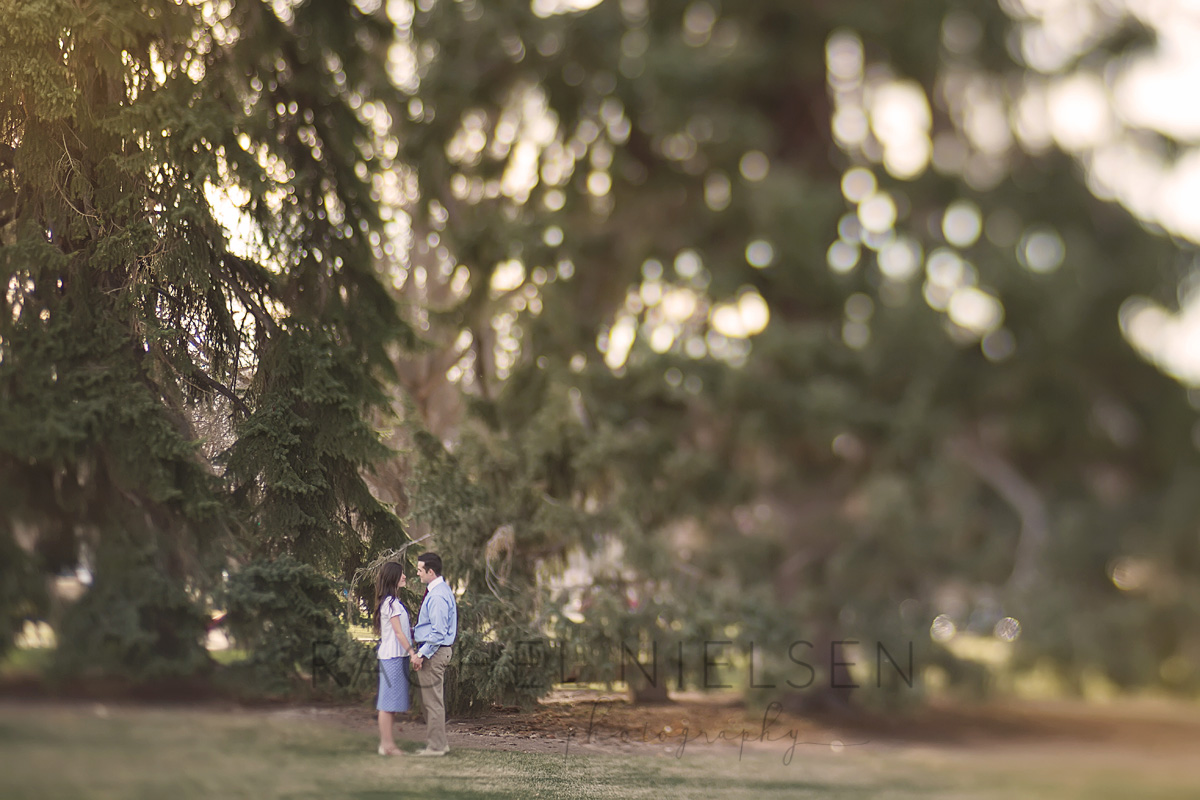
x=437, y=628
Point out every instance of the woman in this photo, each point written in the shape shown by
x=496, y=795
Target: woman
x=395, y=647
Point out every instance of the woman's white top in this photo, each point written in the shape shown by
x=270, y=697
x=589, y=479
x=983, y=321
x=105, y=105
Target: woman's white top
x=389, y=645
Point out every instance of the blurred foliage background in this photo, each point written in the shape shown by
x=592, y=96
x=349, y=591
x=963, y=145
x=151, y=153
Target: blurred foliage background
x=763, y=321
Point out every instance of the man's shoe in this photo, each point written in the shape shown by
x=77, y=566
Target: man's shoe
x=426, y=751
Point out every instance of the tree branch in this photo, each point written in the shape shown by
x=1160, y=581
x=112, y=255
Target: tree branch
x=244, y=297
x=207, y=381
x=1021, y=495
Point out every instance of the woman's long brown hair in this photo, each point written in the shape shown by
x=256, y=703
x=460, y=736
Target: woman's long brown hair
x=387, y=583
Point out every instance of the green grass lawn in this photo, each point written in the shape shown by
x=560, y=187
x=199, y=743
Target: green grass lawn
x=59, y=751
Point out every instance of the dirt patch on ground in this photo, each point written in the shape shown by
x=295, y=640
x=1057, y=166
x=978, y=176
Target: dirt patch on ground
x=594, y=722
x=590, y=722
x=583, y=721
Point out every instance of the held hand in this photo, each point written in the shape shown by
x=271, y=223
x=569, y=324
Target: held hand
x=417, y=661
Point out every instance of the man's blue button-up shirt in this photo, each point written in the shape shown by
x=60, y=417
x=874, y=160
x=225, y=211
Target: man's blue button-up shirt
x=437, y=624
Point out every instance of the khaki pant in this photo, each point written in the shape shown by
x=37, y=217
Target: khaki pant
x=432, y=680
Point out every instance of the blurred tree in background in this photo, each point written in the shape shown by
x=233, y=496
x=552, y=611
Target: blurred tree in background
x=809, y=318
x=817, y=314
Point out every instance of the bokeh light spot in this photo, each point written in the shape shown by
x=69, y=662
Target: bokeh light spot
x=900, y=259
x=943, y=629
x=1041, y=250
x=1007, y=629
x=754, y=166
x=962, y=223
x=858, y=184
x=842, y=256
x=877, y=213
x=760, y=253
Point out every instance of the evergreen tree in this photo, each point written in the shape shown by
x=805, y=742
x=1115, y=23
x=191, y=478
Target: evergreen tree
x=190, y=240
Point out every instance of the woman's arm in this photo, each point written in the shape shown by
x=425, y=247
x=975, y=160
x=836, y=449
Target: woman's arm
x=405, y=644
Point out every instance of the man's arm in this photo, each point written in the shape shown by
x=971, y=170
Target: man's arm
x=439, y=624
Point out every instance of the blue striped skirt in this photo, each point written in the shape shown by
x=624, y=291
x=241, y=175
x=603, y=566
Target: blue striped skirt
x=393, y=684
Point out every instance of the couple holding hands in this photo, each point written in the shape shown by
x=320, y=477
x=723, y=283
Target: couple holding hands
x=429, y=646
